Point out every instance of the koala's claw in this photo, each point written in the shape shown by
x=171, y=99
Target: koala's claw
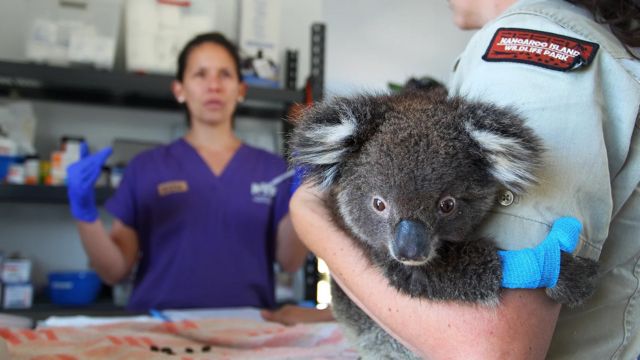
x=576, y=282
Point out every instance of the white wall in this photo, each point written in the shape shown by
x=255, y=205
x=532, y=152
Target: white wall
x=372, y=42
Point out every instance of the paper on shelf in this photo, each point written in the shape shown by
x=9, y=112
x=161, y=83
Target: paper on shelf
x=222, y=313
x=173, y=314
x=82, y=320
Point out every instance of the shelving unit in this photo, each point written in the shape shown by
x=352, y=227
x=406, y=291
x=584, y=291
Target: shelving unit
x=119, y=88
x=87, y=85
x=45, y=194
x=84, y=85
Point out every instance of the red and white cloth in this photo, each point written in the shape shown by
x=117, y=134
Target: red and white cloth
x=186, y=340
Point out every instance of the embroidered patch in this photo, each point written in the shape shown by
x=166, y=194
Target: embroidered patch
x=551, y=51
x=172, y=187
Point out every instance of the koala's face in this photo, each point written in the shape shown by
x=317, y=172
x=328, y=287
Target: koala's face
x=409, y=189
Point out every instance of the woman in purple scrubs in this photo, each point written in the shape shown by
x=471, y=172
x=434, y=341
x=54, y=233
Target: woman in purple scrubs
x=205, y=217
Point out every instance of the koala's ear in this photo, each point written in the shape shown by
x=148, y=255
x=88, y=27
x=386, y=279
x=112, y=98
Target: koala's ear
x=512, y=150
x=329, y=132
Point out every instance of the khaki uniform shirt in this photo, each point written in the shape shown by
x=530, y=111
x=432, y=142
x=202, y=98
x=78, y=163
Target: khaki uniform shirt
x=588, y=120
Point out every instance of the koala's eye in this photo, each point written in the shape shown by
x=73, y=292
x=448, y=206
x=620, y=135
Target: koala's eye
x=379, y=204
x=447, y=204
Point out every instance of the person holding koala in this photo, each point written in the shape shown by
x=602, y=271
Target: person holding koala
x=192, y=212
x=569, y=69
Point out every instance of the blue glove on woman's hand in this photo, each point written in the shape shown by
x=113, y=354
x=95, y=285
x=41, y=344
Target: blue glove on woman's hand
x=81, y=179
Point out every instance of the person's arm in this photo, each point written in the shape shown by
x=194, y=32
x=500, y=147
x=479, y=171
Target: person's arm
x=290, y=251
x=113, y=255
x=519, y=328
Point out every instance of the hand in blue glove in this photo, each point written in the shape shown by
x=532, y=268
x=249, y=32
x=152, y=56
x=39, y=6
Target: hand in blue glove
x=81, y=179
x=539, y=267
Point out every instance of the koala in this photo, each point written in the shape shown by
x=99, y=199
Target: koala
x=409, y=177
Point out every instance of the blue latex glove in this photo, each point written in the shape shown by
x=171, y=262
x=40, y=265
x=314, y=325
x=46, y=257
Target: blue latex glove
x=539, y=267
x=81, y=179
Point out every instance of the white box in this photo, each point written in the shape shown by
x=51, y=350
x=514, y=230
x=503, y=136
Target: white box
x=156, y=31
x=260, y=35
x=17, y=296
x=16, y=271
x=63, y=32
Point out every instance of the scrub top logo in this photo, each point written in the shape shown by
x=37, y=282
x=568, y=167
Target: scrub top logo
x=264, y=192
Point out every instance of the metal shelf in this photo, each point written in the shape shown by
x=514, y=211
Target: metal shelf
x=89, y=85
x=85, y=85
x=44, y=194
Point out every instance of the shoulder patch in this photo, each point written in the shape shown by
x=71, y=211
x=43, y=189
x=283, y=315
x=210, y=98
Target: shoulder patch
x=539, y=48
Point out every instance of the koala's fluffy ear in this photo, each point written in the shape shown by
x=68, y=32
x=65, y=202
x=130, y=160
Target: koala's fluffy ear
x=329, y=132
x=512, y=150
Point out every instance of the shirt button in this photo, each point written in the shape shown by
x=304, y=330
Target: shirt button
x=506, y=198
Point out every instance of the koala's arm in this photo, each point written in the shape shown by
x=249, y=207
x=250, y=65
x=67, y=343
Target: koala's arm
x=431, y=329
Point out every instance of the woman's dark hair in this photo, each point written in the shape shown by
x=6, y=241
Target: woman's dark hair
x=214, y=38
x=622, y=16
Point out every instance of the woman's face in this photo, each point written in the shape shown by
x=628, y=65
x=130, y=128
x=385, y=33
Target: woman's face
x=474, y=14
x=210, y=85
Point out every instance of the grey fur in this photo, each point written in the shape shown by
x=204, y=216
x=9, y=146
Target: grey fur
x=413, y=151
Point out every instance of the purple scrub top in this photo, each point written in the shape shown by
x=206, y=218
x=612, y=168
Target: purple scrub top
x=205, y=240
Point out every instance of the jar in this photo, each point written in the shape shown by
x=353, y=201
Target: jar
x=32, y=170
x=15, y=175
x=116, y=175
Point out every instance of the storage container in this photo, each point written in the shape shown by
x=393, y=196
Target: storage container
x=74, y=288
x=66, y=32
x=5, y=162
x=16, y=271
x=156, y=31
x=17, y=296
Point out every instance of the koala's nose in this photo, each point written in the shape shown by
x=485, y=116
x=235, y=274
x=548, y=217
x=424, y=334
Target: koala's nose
x=411, y=243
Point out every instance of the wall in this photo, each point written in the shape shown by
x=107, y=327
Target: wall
x=372, y=42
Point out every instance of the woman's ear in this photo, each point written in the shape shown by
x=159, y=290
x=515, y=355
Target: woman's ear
x=178, y=92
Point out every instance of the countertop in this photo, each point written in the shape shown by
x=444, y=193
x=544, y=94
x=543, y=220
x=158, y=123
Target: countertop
x=42, y=310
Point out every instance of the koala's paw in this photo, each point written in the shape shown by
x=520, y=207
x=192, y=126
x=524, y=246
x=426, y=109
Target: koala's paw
x=469, y=272
x=576, y=282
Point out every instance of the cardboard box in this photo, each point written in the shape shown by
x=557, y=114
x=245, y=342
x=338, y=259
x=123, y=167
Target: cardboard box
x=260, y=40
x=156, y=31
x=65, y=32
